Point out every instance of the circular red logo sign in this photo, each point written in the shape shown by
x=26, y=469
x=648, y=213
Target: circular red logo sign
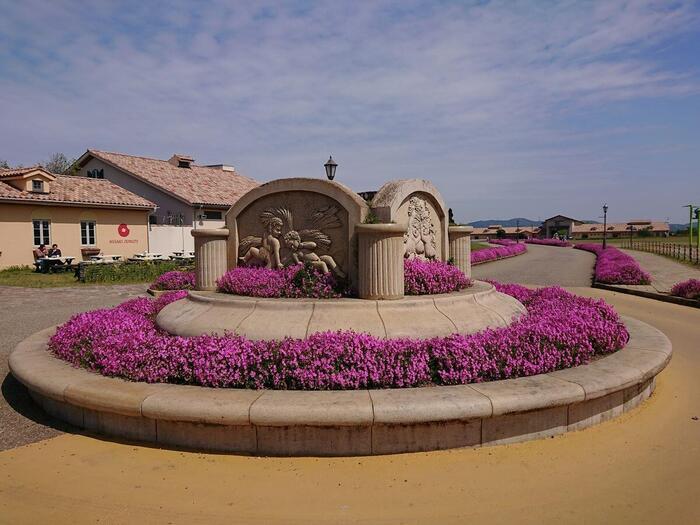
x=123, y=230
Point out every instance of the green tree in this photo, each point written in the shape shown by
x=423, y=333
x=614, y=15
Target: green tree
x=4, y=164
x=500, y=233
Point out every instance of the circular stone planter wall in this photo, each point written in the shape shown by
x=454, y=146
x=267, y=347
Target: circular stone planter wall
x=468, y=311
x=345, y=423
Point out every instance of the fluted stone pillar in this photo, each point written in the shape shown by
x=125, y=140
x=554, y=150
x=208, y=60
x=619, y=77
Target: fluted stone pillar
x=461, y=247
x=380, y=264
x=209, y=256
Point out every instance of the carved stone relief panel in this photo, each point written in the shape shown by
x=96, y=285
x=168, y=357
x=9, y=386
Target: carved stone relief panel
x=423, y=237
x=294, y=227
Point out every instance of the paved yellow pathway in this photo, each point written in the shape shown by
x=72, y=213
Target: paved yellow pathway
x=641, y=468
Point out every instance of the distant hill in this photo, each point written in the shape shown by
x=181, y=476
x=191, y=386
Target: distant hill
x=505, y=222
x=678, y=227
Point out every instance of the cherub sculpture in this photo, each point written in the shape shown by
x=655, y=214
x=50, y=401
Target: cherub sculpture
x=302, y=244
x=303, y=252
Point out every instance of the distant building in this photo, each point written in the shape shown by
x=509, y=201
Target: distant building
x=187, y=195
x=77, y=213
x=621, y=229
x=559, y=224
x=509, y=232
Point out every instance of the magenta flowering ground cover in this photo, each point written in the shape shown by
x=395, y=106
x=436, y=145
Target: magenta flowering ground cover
x=493, y=254
x=549, y=242
x=503, y=242
x=420, y=277
x=613, y=266
x=423, y=277
x=689, y=289
x=174, y=280
x=558, y=331
x=293, y=281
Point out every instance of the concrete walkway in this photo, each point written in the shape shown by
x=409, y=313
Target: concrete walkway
x=24, y=311
x=665, y=272
x=541, y=265
x=639, y=468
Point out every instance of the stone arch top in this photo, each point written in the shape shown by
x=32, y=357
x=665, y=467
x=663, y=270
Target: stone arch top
x=393, y=200
x=287, y=220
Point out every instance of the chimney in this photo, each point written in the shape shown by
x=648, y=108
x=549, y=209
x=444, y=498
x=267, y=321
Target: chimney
x=181, y=161
x=222, y=167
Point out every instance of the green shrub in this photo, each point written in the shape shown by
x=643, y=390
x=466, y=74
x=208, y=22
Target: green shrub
x=128, y=271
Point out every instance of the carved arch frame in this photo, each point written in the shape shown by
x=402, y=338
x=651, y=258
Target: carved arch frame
x=356, y=208
x=392, y=195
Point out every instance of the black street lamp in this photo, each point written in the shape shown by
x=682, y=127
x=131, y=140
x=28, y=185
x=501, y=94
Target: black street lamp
x=605, y=225
x=330, y=166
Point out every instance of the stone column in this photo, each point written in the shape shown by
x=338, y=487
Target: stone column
x=209, y=256
x=461, y=247
x=380, y=262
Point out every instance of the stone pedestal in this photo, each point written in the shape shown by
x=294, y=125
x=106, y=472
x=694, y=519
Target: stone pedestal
x=380, y=252
x=210, y=248
x=461, y=247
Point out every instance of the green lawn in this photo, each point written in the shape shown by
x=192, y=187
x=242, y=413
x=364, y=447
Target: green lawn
x=476, y=246
x=26, y=277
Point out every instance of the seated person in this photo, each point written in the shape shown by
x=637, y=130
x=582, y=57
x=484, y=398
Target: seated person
x=40, y=252
x=54, y=251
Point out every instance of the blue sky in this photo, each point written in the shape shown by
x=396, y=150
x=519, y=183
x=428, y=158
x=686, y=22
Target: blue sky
x=511, y=108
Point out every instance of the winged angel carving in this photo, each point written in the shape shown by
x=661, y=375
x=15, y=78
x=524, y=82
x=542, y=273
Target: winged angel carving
x=302, y=245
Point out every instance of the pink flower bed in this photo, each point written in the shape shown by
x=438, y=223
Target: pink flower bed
x=493, y=254
x=503, y=242
x=293, y=281
x=614, y=266
x=549, y=242
x=175, y=280
x=432, y=277
x=689, y=289
x=420, y=278
x=558, y=331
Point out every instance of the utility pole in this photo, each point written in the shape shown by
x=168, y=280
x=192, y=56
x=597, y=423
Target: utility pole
x=690, y=229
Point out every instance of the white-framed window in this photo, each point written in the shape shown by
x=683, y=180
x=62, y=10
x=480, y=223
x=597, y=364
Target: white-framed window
x=38, y=185
x=42, y=231
x=87, y=233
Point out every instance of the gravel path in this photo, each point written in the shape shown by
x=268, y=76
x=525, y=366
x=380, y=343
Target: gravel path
x=24, y=311
x=541, y=265
x=664, y=272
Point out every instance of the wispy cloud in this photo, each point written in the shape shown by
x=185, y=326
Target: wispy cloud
x=481, y=98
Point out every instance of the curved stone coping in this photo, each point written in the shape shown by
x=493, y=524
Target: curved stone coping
x=345, y=423
x=210, y=232
x=467, y=311
x=381, y=228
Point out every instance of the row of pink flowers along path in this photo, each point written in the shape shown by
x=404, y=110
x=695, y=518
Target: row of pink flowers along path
x=558, y=331
x=493, y=254
x=689, y=289
x=502, y=242
x=549, y=242
x=613, y=266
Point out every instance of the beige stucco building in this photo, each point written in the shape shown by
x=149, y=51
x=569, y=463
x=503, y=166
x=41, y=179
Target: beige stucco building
x=77, y=213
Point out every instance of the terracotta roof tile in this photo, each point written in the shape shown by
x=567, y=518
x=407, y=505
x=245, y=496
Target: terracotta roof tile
x=75, y=190
x=620, y=227
x=194, y=185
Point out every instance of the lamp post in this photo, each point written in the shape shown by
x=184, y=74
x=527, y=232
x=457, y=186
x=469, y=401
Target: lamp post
x=605, y=225
x=517, y=231
x=330, y=166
